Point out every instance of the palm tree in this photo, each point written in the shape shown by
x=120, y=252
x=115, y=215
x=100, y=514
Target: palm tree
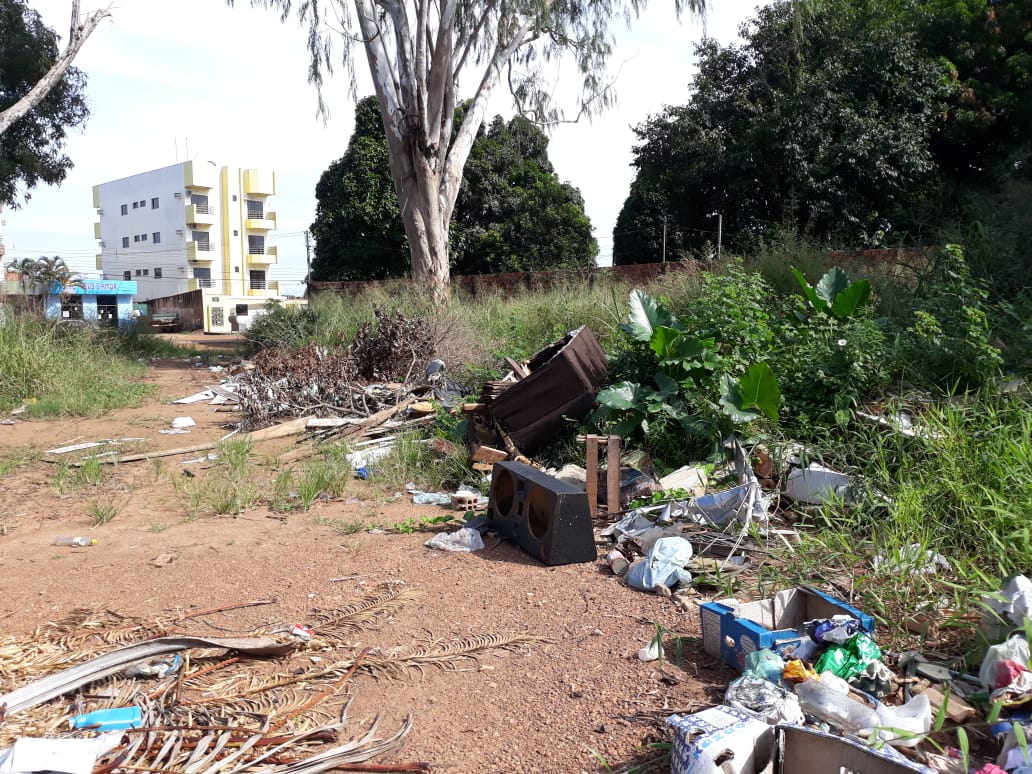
x=52, y=275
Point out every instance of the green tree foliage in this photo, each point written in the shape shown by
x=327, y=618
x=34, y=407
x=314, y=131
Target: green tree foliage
x=512, y=213
x=31, y=150
x=357, y=228
x=820, y=123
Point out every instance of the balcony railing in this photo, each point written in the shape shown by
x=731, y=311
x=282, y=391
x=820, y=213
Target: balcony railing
x=203, y=209
x=259, y=285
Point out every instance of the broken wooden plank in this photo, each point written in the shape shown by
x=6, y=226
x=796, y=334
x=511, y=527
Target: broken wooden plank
x=957, y=710
x=293, y=427
x=375, y=420
x=489, y=454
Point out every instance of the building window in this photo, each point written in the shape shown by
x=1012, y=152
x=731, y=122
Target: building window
x=257, y=280
x=157, y=273
x=236, y=233
x=154, y=203
x=125, y=209
x=203, y=277
x=127, y=275
x=138, y=272
x=125, y=241
x=241, y=310
x=136, y=237
x=143, y=203
x=146, y=272
x=136, y=205
x=255, y=209
x=255, y=245
x=156, y=237
x=143, y=237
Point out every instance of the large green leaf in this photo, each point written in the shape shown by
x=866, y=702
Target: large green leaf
x=759, y=389
x=623, y=395
x=832, y=283
x=644, y=315
x=852, y=298
x=815, y=300
x=731, y=402
x=756, y=393
x=667, y=386
x=664, y=341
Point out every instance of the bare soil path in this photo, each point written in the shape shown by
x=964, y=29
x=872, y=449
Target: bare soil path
x=542, y=710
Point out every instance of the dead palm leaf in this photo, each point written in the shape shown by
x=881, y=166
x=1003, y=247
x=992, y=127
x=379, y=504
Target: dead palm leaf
x=337, y=624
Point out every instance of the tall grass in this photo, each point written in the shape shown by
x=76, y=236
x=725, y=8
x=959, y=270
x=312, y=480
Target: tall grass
x=962, y=492
x=61, y=370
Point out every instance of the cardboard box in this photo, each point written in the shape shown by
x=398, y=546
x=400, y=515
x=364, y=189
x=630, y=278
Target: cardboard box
x=732, y=629
x=802, y=749
x=720, y=740
x=724, y=740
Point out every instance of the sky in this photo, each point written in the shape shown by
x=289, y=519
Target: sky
x=195, y=79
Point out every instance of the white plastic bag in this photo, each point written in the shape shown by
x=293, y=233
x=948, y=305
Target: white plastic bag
x=465, y=539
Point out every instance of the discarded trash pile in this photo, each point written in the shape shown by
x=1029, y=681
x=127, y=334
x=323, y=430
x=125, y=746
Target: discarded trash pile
x=104, y=693
x=816, y=690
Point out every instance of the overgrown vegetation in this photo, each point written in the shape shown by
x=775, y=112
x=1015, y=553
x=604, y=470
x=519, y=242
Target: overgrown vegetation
x=63, y=370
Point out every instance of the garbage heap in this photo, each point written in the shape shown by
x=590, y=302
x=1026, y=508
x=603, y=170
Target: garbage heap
x=817, y=691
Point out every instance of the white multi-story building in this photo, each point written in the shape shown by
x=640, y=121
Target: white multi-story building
x=192, y=226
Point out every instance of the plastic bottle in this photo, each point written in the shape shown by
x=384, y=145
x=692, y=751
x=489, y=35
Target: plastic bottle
x=826, y=704
x=78, y=540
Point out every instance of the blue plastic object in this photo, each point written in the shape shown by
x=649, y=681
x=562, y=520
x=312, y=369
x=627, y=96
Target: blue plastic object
x=110, y=719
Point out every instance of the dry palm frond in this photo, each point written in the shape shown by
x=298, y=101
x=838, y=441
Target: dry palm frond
x=445, y=655
x=90, y=630
x=339, y=623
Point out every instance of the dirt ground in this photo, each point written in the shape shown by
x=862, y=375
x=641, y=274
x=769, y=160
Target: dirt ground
x=565, y=705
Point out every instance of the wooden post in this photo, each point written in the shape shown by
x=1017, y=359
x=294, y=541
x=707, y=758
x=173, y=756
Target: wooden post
x=591, y=475
x=613, y=474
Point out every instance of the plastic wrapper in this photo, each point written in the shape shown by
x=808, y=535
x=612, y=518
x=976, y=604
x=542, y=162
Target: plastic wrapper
x=664, y=564
x=1014, y=649
x=796, y=671
x=765, y=664
x=765, y=699
x=465, y=539
x=850, y=658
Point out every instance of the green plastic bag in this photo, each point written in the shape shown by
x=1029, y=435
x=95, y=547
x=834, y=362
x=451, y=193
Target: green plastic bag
x=849, y=659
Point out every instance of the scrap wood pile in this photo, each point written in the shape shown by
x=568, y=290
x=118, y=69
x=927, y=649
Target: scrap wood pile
x=376, y=370
x=135, y=694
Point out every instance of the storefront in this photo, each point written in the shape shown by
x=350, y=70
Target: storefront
x=108, y=302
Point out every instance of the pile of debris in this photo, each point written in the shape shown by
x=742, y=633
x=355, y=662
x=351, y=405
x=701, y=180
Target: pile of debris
x=105, y=693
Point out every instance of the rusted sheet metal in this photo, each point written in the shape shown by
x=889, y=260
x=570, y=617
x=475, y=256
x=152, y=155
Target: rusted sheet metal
x=563, y=381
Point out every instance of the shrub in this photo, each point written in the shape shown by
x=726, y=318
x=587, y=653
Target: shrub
x=283, y=326
x=946, y=339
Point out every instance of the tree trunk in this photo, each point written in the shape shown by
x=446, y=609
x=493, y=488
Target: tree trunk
x=426, y=215
x=76, y=37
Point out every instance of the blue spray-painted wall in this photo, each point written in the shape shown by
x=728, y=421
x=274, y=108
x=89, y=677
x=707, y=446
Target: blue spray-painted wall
x=122, y=290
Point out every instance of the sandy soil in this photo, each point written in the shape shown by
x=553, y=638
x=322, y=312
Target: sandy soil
x=545, y=709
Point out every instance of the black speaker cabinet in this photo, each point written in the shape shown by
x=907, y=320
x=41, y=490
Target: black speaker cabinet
x=548, y=518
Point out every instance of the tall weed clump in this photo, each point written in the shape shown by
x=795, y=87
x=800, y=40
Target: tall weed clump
x=946, y=336
x=961, y=490
x=64, y=370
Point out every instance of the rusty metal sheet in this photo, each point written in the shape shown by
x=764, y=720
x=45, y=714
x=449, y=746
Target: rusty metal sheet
x=563, y=381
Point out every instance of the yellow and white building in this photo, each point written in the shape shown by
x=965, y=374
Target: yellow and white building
x=192, y=226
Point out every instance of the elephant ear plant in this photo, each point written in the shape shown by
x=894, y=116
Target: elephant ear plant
x=680, y=385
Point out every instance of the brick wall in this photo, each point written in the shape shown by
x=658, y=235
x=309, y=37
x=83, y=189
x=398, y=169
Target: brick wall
x=512, y=283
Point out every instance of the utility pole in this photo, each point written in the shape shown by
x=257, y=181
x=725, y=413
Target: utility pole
x=720, y=231
x=664, y=239
x=308, y=257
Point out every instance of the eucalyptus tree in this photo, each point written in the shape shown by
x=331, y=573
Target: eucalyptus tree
x=41, y=95
x=419, y=50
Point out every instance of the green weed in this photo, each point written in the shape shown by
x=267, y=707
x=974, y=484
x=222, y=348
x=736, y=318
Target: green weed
x=102, y=513
x=91, y=472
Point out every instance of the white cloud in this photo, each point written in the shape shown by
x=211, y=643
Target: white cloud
x=230, y=84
